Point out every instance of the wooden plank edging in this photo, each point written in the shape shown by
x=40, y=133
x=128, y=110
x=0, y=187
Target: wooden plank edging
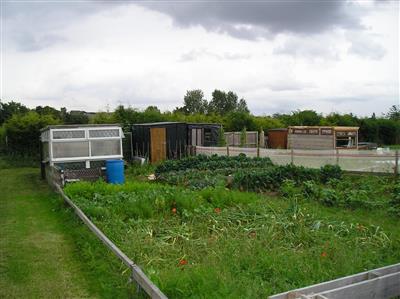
x=359, y=280
x=137, y=274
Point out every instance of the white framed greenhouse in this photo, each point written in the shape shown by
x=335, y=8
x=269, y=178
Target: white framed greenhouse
x=80, y=146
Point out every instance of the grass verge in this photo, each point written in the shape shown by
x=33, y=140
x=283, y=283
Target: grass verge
x=46, y=252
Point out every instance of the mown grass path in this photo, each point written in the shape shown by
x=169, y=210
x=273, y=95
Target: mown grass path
x=38, y=257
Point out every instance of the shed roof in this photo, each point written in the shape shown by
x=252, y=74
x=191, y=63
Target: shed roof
x=336, y=128
x=159, y=123
x=77, y=126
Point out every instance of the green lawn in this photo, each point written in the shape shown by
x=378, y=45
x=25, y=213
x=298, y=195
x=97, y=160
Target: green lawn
x=45, y=252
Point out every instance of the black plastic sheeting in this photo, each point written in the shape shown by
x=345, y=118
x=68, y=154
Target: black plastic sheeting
x=178, y=137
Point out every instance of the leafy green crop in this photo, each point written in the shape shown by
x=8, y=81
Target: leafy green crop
x=219, y=243
x=202, y=162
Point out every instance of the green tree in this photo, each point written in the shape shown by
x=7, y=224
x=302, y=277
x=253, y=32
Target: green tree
x=23, y=132
x=236, y=121
x=194, y=102
x=394, y=112
x=76, y=117
x=47, y=110
x=7, y=110
x=221, y=137
x=103, y=118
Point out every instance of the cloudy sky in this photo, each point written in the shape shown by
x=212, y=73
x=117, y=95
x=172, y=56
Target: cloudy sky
x=330, y=56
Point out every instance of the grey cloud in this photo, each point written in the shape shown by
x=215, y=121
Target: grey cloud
x=365, y=46
x=251, y=20
x=31, y=42
x=308, y=48
x=196, y=54
x=33, y=26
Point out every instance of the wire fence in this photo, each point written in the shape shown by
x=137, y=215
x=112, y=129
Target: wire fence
x=374, y=161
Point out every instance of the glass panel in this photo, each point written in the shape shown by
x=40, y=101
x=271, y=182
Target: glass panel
x=68, y=134
x=45, y=150
x=105, y=147
x=104, y=133
x=70, y=149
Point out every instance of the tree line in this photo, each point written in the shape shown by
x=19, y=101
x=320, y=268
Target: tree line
x=20, y=126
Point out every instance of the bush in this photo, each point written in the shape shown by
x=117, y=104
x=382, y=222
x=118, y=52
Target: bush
x=395, y=200
x=329, y=172
x=214, y=162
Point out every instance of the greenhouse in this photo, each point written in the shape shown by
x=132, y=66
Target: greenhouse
x=80, y=146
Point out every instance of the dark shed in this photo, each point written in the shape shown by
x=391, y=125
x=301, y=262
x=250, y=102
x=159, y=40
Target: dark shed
x=277, y=138
x=203, y=134
x=159, y=141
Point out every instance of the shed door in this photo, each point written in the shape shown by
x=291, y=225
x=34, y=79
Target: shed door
x=158, y=144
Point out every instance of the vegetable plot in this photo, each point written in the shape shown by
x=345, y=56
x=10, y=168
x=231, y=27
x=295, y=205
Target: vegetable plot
x=218, y=243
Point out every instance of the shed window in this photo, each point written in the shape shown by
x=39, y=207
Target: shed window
x=70, y=149
x=68, y=134
x=105, y=147
x=104, y=133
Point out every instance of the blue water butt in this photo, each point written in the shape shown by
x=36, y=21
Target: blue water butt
x=115, y=171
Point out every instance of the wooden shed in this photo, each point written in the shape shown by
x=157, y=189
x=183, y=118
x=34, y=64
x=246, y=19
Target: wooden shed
x=277, y=138
x=322, y=137
x=203, y=134
x=159, y=141
x=171, y=140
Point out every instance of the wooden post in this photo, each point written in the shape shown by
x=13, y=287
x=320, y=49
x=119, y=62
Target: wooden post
x=227, y=150
x=337, y=156
x=292, y=156
x=258, y=150
x=396, y=164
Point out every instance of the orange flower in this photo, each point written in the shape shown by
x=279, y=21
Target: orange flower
x=217, y=210
x=173, y=210
x=183, y=262
x=324, y=254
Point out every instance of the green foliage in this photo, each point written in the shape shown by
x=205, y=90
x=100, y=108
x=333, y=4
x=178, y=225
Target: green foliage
x=23, y=132
x=223, y=103
x=237, y=121
x=221, y=137
x=202, y=162
x=395, y=200
x=194, y=102
x=328, y=172
x=7, y=110
x=103, y=118
x=188, y=242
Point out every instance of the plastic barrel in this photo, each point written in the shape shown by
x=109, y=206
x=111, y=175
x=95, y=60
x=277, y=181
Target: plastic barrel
x=115, y=171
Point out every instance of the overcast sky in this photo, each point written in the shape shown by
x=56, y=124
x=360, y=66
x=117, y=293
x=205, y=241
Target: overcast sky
x=330, y=56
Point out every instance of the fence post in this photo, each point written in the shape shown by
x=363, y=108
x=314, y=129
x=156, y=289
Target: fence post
x=396, y=164
x=292, y=156
x=227, y=150
x=258, y=150
x=337, y=156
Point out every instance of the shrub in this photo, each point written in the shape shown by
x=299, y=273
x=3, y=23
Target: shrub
x=395, y=200
x=329, y=172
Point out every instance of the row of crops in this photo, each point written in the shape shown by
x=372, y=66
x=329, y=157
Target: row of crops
x=327, y=185
x=199, y=230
